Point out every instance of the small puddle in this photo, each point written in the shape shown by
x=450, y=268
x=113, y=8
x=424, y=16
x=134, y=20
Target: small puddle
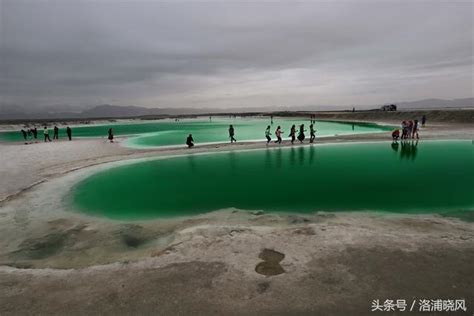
x=271, y=263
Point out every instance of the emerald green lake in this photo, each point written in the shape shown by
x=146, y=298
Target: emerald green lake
x=171, y=133
x=408, y=177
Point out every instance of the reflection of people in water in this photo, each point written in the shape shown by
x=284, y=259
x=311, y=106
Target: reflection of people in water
x=312, y=152
x=292, y=156
x=301, y=135
x=395, y=146
x=190, y=141
x=301, y=155
x=408, y=149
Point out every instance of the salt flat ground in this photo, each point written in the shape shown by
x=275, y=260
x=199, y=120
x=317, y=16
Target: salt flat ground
x=58, y=262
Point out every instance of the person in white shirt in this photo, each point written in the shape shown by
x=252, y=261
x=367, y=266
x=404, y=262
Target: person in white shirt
x=46, y=134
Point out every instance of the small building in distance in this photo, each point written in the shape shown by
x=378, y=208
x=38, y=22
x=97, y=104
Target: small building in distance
x=389, y=107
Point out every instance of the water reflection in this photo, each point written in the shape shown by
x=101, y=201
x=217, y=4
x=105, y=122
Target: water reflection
x=296, y=156
x=408, y=148
x=192, y=163
x=312, y=154
x=292, y=156
x=278, y=158
x=233, y=160
x=268, y=160
x=301, y=154
x=395, y=146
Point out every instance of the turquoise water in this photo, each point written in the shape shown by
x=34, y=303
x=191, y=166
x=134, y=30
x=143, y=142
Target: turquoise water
x=216, y=131
x=410, y=177
x=170, y=132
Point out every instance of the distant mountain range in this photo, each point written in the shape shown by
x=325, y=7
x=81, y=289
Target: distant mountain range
x=436, y=103
x=17, y=112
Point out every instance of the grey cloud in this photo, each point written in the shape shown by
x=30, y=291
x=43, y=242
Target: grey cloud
x=218, y=54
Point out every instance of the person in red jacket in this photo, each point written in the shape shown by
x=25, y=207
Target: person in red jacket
x=395, y=134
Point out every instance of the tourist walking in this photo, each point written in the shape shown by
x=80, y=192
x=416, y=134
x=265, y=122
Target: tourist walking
x=35, y=133
x=312, y=133
x=56, y=132
x=231, y=134
x=292, y=133
x=410, y=129
x=69, y=132
x=415, y=130
x=278, y=133
x=23, y=132
x=267, y=134
x=404, y=130
x=190, y=141
x=423, y=120
x=111, y=135
x=46, y=134
x=301, y=135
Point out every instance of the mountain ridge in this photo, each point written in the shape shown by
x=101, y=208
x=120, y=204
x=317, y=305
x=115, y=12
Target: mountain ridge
x=10, y=111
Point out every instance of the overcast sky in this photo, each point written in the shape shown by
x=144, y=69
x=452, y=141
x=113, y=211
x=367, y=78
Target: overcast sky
x=223, y=54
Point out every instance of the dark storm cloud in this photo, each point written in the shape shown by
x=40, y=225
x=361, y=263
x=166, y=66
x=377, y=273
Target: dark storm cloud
x=219, y=54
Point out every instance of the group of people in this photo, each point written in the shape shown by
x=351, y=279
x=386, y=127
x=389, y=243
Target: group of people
x=409, y=129
x=31, y=134
x=278, y=133
x=301, y=135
